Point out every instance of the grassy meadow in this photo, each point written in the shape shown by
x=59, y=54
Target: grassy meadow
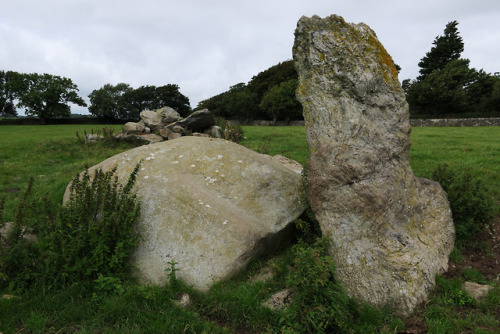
x=53, y=155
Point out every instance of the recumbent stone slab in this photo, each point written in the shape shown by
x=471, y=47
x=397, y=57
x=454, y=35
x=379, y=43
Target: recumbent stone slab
x=209, y=204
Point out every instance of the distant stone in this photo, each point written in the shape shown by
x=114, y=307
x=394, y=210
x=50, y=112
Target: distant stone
x=197, y=121
x=168, y=115
x=150, y=138
x=141, y=127
x=280, y=299
x=391, y=232
x=26, y=232
x=477, y=291
x=178, y=129
x=183, y=301
x=130, y=127
x=92, y=138
x=215, y=131
x=152, y=120
x=197, y=134
x=174, y=135
x=208, y=204
x=165, y=132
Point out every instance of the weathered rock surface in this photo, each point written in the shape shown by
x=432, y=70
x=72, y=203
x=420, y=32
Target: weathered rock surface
x=197, y=121
x=152, y=119
x=209, y=204
x=391, y=232
x=168, y=115
x=477, y=291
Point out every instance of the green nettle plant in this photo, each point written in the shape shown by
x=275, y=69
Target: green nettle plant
x=472, y=204
x=89, y=238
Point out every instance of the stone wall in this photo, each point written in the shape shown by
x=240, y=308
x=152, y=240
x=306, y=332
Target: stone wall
x=413, y=122
x=456, y=122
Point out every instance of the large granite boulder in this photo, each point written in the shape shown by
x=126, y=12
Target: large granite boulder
x=391, y=232
x=208, y=204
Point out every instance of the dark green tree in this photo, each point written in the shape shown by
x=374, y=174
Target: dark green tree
x=273, y=76
x=107, y=101
x=241, y=103
x=7, y=106
x=444, y=91
x=446, y=48
x=170, y=96
x=46, y=95
x=279, y=102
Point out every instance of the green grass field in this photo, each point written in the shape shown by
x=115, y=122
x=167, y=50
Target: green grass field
x=53, y=155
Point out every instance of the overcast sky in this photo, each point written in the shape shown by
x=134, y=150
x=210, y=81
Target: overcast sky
x=206, y=46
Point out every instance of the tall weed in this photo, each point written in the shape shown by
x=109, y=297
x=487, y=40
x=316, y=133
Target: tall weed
x=91, y=237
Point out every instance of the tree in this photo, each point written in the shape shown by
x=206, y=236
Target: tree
x=7, y=107
x=241, y=103
x=170, y=96
x=280, y=103
x=444, y=91
x=46, y=95
x=446, y=49
x=107, y=102
x=124, y=102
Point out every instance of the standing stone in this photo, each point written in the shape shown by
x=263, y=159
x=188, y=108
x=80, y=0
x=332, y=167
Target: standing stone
x=391, y=232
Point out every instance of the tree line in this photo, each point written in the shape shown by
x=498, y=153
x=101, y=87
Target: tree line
x=49, y=96
x=42, y=95
x=268, y=95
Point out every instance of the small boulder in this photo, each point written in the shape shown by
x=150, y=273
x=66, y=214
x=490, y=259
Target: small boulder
x=178, y=129
x=152, y=120
x=280, y=299
x=150, y=138
x=477, y=291
x=130, y=127
x=197, y=121
x=165, y=132
x=215, y=131
x=168, y=115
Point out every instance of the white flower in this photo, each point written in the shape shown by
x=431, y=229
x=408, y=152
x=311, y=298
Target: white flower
x=225, y=222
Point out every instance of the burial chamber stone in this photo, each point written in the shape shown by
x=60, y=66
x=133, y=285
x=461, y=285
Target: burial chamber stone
x=208, y=204
x=391, y=232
